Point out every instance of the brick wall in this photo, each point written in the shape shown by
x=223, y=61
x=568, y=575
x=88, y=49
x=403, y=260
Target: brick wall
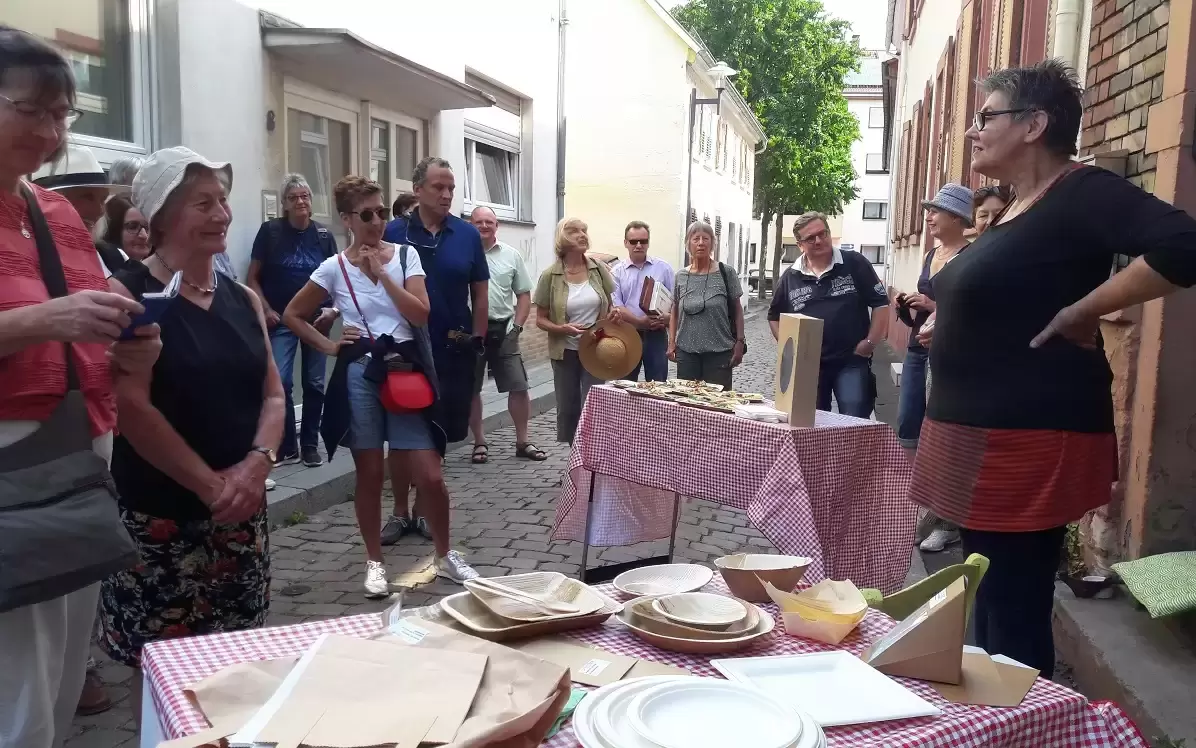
x=533, y=343
x=1125, y=77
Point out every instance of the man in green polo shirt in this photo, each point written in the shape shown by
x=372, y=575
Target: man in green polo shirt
x=509, y=305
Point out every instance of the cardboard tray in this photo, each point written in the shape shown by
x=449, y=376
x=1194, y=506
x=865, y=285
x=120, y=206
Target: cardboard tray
x=468, y=611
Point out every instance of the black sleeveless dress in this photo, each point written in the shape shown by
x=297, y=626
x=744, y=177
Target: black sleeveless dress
x=196, y=576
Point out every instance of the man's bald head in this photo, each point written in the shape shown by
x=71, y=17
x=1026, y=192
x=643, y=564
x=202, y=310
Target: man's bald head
x=486, y=222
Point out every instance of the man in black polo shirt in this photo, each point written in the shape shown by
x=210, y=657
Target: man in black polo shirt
x=840, y=288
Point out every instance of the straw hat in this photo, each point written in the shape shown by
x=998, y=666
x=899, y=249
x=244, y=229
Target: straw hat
x=610, y=350
x=76, y=167
x=164, y=171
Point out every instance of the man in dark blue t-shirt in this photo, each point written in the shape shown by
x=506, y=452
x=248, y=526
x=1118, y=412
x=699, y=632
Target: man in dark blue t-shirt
x=842, y=289
x=457, y=278
x=285, y=253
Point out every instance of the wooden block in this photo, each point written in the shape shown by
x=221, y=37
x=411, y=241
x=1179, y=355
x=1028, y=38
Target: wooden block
x=799, y=354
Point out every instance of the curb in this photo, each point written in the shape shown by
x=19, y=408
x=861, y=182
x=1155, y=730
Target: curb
x=308, y=491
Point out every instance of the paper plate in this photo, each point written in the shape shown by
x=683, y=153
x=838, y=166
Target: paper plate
x=712, y=714
x=700, y=608
x=835, y=688
x=610, y=715
x=664, y=579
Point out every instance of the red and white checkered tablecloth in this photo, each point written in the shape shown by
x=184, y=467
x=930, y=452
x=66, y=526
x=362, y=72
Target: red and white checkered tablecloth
x=835, y=492
x=1051, y=716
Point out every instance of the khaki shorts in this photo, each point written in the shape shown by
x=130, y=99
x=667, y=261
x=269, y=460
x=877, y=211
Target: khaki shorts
x=503, y=357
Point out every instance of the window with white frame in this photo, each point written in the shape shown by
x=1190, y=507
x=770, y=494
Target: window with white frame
x=874, y=252
x=876, y=210
x=321, y=149
x=111, y=63
x=876, y=117
x=493, y=152
x=874, y=163
x=396, y=146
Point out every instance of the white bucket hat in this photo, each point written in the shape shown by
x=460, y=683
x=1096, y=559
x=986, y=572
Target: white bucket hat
x=163, y=171
x=76, y=167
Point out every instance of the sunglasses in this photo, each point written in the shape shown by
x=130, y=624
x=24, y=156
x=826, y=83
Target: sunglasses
x=368, y=214
x=135, y=226
x=638, y=242
x=981, y=118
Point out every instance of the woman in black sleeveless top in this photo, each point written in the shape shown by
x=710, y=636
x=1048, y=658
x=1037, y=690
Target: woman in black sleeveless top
x=197, y=437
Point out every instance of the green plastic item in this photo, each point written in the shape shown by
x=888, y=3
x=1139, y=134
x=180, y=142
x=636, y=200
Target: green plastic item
x=575, y=697
x=900, y=605
x=1165, y=584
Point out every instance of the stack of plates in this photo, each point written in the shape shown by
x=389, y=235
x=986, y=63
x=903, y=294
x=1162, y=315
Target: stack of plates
x=694, y=624
x=663, y=579
x=498, y=618
x=684, y=712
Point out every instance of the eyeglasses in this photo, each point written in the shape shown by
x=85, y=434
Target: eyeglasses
x=302, y=197
x=368, y=214
x=638, y=242
x=824, y=234
x=63, y=118
x=134, y=227
x=981, y=118
x=435, y=240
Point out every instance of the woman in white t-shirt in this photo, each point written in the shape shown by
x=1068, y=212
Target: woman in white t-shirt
x=368, y=285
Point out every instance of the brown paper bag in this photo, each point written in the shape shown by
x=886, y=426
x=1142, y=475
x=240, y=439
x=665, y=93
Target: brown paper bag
x=927, y=645
x=799, y=355
x=989, y=682
x=519, y=698
x=233, y=695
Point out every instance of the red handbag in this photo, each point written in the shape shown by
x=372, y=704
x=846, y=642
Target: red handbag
x=403, y=391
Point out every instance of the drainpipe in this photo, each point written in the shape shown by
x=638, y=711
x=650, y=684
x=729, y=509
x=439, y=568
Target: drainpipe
x=562, y=23
x=1068, y=16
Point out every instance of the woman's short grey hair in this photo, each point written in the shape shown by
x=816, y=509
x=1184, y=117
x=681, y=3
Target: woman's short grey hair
x=1051, y=87
x=698, y=227
x=290, y=182
x=124, y=169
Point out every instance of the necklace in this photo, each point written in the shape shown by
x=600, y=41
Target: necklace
x=201, y=289
x=19, y=217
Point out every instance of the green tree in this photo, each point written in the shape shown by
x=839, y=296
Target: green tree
x=792, y=61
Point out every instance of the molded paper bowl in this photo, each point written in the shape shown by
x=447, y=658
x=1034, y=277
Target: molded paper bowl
x=743, y=571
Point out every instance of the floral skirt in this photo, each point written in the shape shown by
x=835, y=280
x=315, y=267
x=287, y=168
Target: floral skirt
x=195, y=577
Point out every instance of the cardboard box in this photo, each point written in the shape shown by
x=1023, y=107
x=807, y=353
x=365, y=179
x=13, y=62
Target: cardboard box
x=799, y=354
x=927, y=645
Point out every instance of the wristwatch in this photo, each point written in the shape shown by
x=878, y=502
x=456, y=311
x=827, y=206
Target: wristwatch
x=270, y=454
x=517, y=329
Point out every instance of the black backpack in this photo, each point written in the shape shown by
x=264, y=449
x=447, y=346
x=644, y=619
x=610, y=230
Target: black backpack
x=327, y=240
x=725, y=272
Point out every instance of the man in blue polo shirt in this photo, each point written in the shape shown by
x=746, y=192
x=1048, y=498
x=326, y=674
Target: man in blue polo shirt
x=842, y=289
x=458, y=281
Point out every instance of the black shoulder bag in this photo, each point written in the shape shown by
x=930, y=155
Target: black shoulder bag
x=724, y=271
x=60, y=529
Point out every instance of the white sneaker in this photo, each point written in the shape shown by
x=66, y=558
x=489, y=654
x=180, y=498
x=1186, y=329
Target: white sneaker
x=375, y=580
x=452, y=566
x=939, y=539
x=270, y=485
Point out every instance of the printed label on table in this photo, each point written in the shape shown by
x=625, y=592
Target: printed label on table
x=407, y=631
x=594, y=667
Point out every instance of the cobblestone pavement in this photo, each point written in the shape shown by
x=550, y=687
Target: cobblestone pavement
x=502, y=519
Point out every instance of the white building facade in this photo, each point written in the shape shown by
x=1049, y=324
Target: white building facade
x=324, y=89
x=864, y=224
x=631, y=71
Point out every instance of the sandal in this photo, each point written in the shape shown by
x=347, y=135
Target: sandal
x=481, y=454
x=530, y=451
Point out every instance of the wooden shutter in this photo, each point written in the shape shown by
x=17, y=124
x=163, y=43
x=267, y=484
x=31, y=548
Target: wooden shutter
x=1035, y=25
x=897, y=219
x=963, y=73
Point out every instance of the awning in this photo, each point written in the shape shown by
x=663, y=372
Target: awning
x=338, y=60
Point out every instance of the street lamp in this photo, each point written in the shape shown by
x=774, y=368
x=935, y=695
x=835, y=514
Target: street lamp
x=721, y=72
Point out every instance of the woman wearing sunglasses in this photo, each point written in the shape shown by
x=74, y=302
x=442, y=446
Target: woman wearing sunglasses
x=379, y=288
x=706, y=327
x=1018, y=439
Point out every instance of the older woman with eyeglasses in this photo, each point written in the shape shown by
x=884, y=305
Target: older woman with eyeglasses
x=706, y=326
x=572, y=295
x=1018, y=439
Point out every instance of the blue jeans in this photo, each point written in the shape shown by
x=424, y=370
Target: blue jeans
x=911, y=402
x=655, y=361
x=285, y=345
x=851, y=382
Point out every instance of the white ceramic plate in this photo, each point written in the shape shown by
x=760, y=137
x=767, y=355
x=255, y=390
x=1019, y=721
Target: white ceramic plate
x=584, y=728
x=610, y=716
x=835, y=688
x=663, y=579
x=700, y=609
x=709, y=713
